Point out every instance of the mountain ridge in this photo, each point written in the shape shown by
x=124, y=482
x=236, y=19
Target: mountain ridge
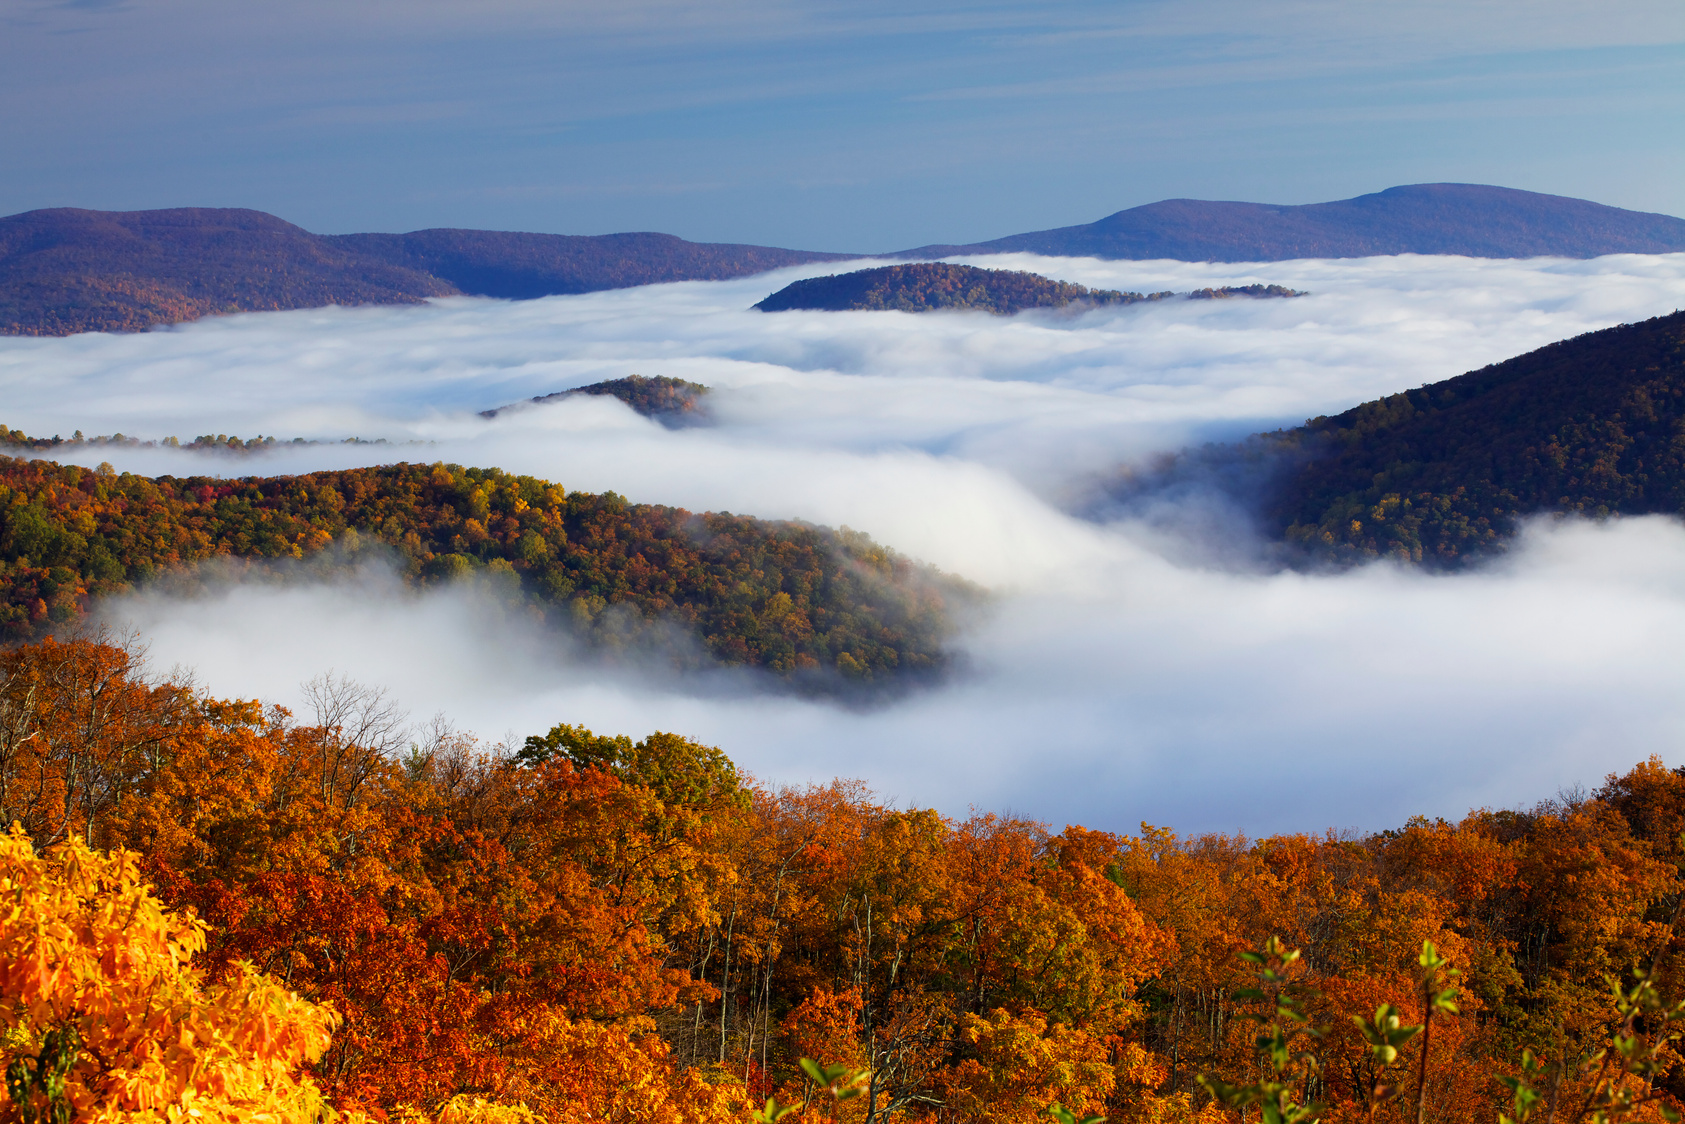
x=1473, y=220
x=823, y=609
x=66, y=270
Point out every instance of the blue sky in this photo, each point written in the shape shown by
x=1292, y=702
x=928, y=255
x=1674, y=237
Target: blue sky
x=866, y=125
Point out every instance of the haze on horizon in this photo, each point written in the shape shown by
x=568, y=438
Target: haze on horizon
x=817, y=125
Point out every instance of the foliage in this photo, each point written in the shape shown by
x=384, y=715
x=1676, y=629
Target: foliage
x=789, y=597
x=94, y=971
x=1288, y=1069
x=601, y=928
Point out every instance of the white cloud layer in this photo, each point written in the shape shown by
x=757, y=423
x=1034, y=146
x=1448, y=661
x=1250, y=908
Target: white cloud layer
x=1113, y=683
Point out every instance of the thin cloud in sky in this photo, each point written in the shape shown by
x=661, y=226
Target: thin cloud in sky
x=842, y=126
x=1119, y=675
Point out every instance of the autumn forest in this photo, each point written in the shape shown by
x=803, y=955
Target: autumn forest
x=827, y=610
x=393, y=923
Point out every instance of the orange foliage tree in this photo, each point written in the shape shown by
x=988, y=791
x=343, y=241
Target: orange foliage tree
x=602, y=928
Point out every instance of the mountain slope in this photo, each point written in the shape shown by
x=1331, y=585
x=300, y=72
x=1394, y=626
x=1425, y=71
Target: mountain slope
x=66, y=270
x=792, y=598
x=1437, y=218
x=1594, y=425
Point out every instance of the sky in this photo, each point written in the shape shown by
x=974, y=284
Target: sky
x=1129, y=668
x=858, y=126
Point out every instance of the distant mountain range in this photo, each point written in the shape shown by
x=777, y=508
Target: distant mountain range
x=65, y=270
x=1431, y=218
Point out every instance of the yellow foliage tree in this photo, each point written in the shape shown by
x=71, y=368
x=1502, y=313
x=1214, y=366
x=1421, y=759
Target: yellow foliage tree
x=103, y=1019
x=1021, y=1064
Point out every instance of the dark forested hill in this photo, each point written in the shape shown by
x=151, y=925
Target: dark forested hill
x=792, y=598
x=672, y=402
x=1593, y=425
x=67, y=270
x=930, y=286
x=1434, y=218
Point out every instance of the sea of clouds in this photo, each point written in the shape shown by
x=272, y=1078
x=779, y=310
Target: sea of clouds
x=1122, y=675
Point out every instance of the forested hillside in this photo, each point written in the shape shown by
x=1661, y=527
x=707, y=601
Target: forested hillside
x=803, y=601
x=938, y=285
x=929, y=286
x=1590, y=426
x=601, y=929
x=670, y=401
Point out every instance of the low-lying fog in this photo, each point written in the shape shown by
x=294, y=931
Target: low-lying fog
x=1115, y=681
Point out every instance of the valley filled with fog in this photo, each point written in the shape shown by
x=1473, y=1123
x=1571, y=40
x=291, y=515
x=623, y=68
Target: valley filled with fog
x=1122, y=672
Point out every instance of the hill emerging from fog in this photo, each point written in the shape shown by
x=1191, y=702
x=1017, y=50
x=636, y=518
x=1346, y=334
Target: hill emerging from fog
x=928, y=287
x=66, y=270
x=1473, y=220
x=675, y=403
x=936, y=285
x=827, y=610
x=1442, y=475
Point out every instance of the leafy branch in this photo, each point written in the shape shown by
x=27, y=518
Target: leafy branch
x=1285, y=1065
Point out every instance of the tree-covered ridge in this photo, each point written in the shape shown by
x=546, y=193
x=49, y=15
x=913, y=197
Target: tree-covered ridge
x=932, y=285
x=204, y=443
x=668, y=400
x=1225, y=292
x=1593, y=425
x=596, y=929
x=788, y=597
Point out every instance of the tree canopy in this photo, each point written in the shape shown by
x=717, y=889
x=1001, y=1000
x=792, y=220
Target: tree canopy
x=601, y=928
x=821, y=607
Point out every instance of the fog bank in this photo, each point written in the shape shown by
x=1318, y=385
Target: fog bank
x=1118, y=679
